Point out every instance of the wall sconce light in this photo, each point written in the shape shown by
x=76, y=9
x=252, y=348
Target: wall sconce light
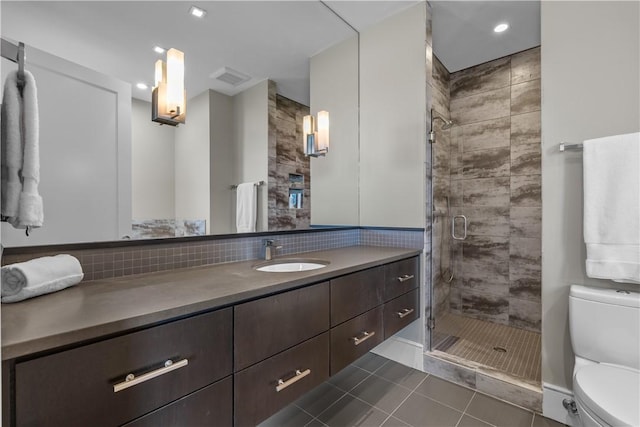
x=169, y=99
x=315, y=134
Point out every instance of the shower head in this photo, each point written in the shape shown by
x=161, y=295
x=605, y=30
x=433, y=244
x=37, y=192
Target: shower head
x=448, y=124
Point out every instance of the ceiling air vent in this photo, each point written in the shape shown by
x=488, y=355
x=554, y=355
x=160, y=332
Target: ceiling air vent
x=230, y=76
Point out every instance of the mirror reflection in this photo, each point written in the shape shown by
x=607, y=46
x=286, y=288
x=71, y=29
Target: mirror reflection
x=108, y=172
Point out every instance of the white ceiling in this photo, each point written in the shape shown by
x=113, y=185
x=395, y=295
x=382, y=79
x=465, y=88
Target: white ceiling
x=463, y=30
x=265, y=39
x=361, y=14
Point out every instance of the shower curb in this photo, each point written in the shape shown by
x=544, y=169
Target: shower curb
x=501, y=386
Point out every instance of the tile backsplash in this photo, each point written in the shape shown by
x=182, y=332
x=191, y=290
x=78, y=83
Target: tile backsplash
x=392, y=237
x=129, y=258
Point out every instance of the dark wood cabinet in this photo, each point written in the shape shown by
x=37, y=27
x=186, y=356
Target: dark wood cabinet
x=401, y=277
x=210, y=407
x=80, y=387
x=269, y=325
x=356, y=293
x=354, y=338
x=264, y=388
x=401, y=311
x=233, y=366
x=349, y=310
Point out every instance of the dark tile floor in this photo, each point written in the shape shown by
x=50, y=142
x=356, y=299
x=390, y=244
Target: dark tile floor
x=375, y=391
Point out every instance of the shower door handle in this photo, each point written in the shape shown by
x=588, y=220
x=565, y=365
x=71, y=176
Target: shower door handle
x=453, y=227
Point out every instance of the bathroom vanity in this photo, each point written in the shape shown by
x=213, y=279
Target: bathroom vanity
x=214, y=345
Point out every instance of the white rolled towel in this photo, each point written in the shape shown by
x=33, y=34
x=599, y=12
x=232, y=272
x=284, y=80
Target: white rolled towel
x=39, y=276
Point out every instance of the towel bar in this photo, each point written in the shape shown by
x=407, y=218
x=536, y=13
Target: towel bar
x=569, y=147
x=257, y=184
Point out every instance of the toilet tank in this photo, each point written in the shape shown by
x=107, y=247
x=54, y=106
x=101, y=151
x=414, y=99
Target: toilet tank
x=605, y=325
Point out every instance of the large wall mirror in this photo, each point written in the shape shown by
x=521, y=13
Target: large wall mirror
x=108, y=172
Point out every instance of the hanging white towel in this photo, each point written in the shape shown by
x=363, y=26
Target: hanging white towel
x=11, y=147
x=246, y=202
x=612, y=207
x=20, y=171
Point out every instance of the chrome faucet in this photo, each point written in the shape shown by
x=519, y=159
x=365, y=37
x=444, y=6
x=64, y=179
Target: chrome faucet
x=269, y=249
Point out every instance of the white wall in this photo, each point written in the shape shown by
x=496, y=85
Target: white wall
x=221, y=163
x=192, y=162
x=334, y=88
x=393, y=121
x=393, y=102
x=251, y=128
x=186, y=172
x=590, y=88
x=85, y=153
x=153, y=177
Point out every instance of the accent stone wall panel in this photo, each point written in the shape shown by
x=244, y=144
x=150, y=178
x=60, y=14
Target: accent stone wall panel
x=287, y=157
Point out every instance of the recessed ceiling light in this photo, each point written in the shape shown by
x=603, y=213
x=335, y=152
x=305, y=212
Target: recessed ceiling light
x=197, y=12
x=158, y=49
x=142, y=86
x=501, y=27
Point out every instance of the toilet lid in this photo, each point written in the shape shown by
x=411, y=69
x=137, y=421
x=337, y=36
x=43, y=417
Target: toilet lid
x=611, y=392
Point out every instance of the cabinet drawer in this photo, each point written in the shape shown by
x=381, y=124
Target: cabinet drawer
x=401, y=311
x=354, y=338
x=211, y=406
x=401, y=277
x=269, y=325
x=255, y=394
x=356, y=293
x=76, y=387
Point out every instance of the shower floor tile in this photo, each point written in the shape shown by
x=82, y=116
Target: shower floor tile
x=510, y=350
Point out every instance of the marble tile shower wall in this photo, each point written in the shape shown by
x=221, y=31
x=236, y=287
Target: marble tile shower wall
x=127, y=260
x=286, y=157
x=495, y=182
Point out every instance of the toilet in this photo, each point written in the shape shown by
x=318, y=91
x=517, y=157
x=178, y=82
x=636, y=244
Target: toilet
x=605, y=336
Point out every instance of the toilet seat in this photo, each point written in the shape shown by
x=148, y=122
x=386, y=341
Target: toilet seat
x=610, y=393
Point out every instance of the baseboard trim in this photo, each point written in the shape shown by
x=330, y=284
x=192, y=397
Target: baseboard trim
x=402, y=350
x=552, y=397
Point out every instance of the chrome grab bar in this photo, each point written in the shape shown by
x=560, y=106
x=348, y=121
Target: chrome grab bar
x=453, y=227
x=404, y=312
x=131, y=380
x=297, y=377
x=365, y=336
x=405, y=277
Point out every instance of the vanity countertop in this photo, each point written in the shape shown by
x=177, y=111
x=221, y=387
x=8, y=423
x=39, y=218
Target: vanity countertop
x=106, y=307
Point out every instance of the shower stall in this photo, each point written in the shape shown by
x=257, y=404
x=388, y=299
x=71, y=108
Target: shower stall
x=485, y=309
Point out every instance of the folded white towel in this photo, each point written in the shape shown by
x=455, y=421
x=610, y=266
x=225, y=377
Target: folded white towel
x=612, y=207
x=21, y=203
x=246, y=205
x=39, y=276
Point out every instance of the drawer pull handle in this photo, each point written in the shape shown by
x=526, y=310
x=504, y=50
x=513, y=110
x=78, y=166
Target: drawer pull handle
x=405, y=278
x=365, y=336
x=297, y=377
x=131, y=380
x=405, y=312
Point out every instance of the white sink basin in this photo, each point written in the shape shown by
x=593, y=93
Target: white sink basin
x=291, y=265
